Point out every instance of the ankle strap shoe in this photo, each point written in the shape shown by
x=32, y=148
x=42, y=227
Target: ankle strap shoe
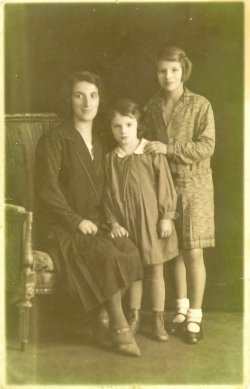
x=193, y=337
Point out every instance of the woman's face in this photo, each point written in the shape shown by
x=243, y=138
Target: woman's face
x=124, y=129
x=169, y=74
x=85, y=101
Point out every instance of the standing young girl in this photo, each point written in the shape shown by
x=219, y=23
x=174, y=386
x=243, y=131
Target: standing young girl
x=181, y=125
x=140, y=202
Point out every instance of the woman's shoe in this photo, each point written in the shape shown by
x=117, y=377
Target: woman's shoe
x=124, y=341
x=101, y=333
x=158, y=329
x=134, y=320
x=177, y=327
x=193, y=337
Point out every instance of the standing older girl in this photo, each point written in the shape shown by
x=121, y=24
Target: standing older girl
x=180, y=124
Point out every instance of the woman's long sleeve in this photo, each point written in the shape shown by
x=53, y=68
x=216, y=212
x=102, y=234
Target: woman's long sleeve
x=107, y=199
x=202, y=145
x=48, y=166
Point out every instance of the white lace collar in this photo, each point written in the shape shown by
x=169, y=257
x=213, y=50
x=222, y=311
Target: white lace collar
x=138, y=150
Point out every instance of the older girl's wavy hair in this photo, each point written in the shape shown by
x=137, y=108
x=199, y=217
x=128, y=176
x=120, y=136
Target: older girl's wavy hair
x=66, y=101
x=127, y=107
x=172, y=53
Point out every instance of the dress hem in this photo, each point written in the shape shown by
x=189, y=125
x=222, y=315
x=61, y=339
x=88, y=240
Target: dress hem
x=199, y=243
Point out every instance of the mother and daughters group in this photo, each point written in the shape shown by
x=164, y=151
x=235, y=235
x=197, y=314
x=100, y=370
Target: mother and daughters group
x=111, y=220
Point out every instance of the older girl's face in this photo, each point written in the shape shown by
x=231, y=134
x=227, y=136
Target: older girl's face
x=85, y=101
x=169, y=74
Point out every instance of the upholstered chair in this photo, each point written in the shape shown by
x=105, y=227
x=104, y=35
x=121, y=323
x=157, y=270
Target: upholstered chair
x=28, y=272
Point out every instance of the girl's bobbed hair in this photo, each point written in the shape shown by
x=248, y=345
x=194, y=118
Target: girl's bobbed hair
x=83, y=75
x=173, y=53
x=127, y=107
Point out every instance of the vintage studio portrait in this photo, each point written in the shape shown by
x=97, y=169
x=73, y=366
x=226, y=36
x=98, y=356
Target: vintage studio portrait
x=123, y=193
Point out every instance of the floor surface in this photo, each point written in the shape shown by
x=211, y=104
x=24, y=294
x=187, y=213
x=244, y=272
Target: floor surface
x=61, y=351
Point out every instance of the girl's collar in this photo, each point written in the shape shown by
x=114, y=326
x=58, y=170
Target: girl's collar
x=138, y=150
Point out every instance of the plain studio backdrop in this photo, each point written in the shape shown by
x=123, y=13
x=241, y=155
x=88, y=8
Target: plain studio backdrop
x=44, y=42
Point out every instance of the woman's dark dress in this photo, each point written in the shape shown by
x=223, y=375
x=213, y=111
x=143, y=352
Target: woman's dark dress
x=69, y=188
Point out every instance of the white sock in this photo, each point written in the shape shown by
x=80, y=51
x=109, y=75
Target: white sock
x=182, y=306
x=194, y=315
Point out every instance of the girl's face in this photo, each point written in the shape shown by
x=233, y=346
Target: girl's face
x=169, y=75
x=85, y=101
x=124, y=129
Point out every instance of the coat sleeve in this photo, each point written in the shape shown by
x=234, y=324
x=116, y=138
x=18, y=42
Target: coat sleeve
x=107, y=196
x=166, y=194
x=202, y=147
x=48, y=166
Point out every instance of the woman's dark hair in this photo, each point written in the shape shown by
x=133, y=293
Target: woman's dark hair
x=92, y=78
x=172, y=53
x=127, y=107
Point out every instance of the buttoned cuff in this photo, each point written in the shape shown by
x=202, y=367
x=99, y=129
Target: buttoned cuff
x=170, y=149
x=168, y=215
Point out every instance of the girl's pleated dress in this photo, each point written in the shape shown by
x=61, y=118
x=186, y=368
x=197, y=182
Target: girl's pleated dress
x=139, y=192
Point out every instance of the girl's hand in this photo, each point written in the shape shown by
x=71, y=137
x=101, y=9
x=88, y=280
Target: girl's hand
x=88, y=227
x=165, y=228
x=118, y=231
x=156, y=147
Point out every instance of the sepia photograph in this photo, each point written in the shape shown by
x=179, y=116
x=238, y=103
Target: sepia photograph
x=124, y=146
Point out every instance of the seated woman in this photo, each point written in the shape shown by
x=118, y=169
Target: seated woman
x=69, y=184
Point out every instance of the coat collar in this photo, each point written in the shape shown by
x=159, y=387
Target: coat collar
x=91, y=167
x=67, y=130
x=138, y=150
x=186, y=98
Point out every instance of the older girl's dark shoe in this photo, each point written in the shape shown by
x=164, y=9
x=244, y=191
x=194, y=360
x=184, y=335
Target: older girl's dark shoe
x=193, y=337
x=134, y=320
x=175, y=327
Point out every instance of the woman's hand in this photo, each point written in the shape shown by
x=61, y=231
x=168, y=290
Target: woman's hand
x=165, y=228
x=118, y=231
x=88, y=227
x=156, y=147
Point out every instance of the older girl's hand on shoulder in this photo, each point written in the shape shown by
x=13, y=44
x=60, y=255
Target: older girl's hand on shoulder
x=156, y=147
x=165, y=228
x=118, y=231
x=88, y=227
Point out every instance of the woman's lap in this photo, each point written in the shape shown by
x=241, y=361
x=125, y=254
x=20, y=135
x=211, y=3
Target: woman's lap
x=95, y=267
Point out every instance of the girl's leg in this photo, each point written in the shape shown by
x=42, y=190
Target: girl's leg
x=179, y=284
x=196, y=276
x=196, y=279
x=135, y=297
x=157, y=288
x=178, y=276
